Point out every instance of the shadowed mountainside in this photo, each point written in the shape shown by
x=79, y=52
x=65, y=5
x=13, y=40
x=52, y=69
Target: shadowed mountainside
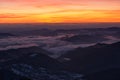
x=93, y=59
x=4, y=35
x=34, y=56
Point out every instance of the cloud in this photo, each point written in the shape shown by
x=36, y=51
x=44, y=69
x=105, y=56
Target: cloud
x=11, y=16
x=59, y=3
x=59, y=10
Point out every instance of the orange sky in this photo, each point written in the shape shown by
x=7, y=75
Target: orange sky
x=59, y=11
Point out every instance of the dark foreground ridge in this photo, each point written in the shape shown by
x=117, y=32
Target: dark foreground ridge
x=98, y=62
x=32, y=64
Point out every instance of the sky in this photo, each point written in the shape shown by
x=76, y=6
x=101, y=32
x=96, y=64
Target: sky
x=59, y=11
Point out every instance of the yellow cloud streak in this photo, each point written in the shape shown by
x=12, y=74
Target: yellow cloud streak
x=67, y=16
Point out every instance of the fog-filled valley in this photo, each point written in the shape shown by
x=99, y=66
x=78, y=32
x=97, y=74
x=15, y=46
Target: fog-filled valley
x=59, y=41
x=59, y=53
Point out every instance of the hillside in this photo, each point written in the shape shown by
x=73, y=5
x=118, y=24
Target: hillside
x=93, y=59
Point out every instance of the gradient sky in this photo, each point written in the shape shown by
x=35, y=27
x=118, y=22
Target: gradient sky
x=59, y=11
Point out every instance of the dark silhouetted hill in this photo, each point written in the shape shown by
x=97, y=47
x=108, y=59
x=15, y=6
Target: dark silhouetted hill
x=4, y=35
x=40, y=32
x=93, y=59
x=108, y=74
x=85, y=38
x=9, y=75
x=34, y=56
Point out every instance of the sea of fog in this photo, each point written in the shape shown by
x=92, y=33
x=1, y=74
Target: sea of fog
x=52, y=44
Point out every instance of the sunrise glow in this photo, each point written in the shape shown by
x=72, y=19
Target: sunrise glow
x=59, y=11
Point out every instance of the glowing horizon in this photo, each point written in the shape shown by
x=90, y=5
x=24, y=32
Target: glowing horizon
x=59, y=11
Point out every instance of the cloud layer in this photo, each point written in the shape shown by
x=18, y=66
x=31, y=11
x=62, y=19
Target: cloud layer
x=53, y=11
